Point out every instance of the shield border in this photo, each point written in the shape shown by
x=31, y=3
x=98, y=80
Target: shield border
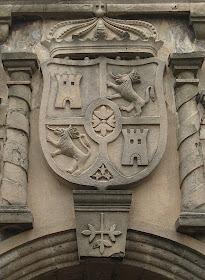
x=82, y=179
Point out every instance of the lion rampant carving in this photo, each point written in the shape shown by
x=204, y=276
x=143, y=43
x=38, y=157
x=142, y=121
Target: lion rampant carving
x=67, y=147
x=125, y=90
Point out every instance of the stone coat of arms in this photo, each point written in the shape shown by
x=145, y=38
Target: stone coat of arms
x=103, y=121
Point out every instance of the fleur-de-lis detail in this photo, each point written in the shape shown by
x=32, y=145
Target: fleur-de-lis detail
x=101, y=243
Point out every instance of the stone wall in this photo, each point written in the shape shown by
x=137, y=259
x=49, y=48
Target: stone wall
x=40, y=204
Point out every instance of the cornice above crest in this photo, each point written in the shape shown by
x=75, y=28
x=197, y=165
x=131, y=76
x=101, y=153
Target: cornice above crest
x=102, y=34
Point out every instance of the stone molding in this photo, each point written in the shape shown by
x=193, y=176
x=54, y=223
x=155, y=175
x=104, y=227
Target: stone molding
x=59, y=251
x=185, y=68
x=5, y=22
x=198, y=23
x=104, y=200
x=197, y=19
x=16, y=217
x=194, y=10
x=14, y=214
x=62, y=10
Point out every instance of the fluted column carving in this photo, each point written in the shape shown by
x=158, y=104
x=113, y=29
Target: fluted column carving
x=13, y=211
x=192, y=182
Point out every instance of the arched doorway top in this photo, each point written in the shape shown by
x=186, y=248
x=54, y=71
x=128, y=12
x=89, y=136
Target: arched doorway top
x=56, y=256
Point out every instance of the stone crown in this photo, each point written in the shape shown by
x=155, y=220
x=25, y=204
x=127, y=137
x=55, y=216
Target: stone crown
x=102, y=35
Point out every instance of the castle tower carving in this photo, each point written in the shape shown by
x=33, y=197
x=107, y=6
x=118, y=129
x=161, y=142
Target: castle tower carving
x=135, y=146
x=68, y=90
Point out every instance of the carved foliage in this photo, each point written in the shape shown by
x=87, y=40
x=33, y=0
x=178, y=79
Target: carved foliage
x=103, y=120
x=102, y=243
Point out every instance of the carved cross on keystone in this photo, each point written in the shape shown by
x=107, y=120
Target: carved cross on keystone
x=101, y=243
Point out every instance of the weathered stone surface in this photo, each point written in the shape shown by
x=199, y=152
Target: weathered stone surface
x=17, y=154
x=127, y=112
x=20, y=91
x=52, y=9
x=153, y=256
x=20, y=67
x=13, y=193
x=197, y=19
x=190, y=222
x=85, y=8
x=154, y=249
x=185, y=68
x=13, y=217
x=101, y=222
x=4, y=31
x=125, y=37
x=5, y=21
x=18, y=119
x=13, y=173
x=25, y=61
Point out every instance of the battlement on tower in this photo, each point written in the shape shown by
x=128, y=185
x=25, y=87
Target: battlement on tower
x=135, y=132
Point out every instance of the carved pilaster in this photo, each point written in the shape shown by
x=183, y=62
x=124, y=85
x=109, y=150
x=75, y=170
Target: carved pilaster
x=13, y=212
x=185, y=68
x=5, y=21
x=101, y=222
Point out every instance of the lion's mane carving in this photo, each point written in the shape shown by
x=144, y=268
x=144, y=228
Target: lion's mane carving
x=67, y=147
x=124, y=89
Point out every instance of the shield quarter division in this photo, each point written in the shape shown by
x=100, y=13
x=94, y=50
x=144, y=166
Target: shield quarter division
x=103, y=122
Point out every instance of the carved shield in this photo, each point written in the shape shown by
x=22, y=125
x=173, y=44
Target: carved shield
x=103, y=122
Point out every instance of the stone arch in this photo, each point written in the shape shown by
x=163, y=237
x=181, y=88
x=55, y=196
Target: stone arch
x=55, y=257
